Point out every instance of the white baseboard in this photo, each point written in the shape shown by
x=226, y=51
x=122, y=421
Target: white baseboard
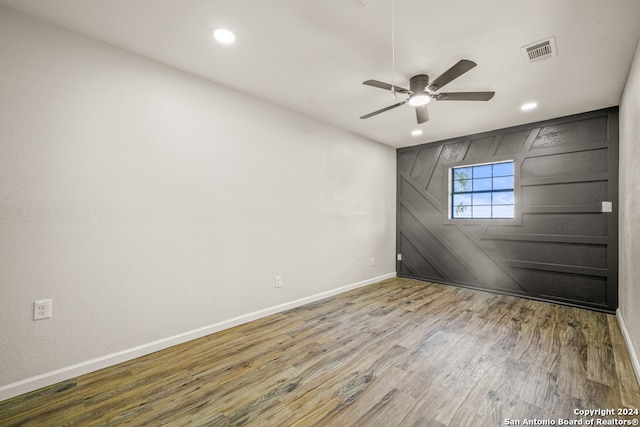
x=633, y=354
x=30, y=384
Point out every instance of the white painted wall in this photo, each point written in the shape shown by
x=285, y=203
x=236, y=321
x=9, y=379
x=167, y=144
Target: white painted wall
x=629, y=287
x=148, y=203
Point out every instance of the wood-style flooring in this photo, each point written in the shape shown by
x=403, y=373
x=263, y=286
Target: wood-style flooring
x=397, y=353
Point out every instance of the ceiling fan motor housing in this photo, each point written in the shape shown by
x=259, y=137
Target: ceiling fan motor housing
x=419, y=83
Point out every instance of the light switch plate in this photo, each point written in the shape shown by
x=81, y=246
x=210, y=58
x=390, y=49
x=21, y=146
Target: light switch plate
x=607, y=206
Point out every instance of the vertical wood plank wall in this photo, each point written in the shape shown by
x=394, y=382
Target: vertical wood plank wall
x=560, y=247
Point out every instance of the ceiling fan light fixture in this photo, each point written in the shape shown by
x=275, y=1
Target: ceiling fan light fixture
x=416, y=132
x=418, y=99
x=528, y=106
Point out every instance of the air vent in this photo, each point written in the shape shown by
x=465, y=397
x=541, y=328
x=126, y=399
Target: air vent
x=540, y=50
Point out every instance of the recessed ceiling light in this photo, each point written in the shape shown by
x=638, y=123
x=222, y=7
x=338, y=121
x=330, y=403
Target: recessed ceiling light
x=416, y=132
x=224, y=36
x=528, y=106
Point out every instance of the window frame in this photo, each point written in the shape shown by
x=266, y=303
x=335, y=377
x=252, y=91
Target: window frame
x=449, y=219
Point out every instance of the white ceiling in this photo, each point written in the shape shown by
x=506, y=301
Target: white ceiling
x=313, y=55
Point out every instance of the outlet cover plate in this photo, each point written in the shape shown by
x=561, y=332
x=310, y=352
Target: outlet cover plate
x=42, y=309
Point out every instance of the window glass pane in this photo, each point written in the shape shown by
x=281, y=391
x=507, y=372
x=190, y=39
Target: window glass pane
x=503, y=183
x=502, y=169
x=461, y=199
x=504, y=211
x=462, y=211
x=503, y=198
x=482, y=211
x=462, y=179
x=483, y=184
x=462, y=173
x=482, y=199
x=483, y=171
x=461, y=185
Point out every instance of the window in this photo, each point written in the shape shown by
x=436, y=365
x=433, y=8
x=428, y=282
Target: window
x=482, y=191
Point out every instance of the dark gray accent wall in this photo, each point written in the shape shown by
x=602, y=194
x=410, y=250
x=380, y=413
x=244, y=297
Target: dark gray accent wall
x=560, y=247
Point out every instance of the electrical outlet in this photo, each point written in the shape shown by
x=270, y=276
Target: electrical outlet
x=42, y=309
x=277, y=281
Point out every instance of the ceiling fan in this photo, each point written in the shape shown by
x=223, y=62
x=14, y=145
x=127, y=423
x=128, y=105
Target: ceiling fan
x=421, y=92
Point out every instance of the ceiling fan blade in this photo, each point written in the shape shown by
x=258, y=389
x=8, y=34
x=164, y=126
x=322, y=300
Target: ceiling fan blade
x=452, y=73
x=385, y=86
x=422, y=114
x=366, y=116
x=463, y=96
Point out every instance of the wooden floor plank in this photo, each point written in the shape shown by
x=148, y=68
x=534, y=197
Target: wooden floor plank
x=396, y=353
